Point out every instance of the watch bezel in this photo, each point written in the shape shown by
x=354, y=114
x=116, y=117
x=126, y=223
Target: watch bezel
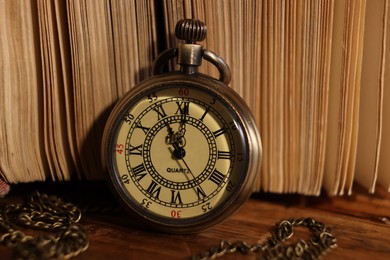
x=249, y=134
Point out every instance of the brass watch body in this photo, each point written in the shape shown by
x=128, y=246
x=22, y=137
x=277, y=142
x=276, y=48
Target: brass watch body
x=181, y=149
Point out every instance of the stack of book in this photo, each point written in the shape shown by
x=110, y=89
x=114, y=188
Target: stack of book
x=314, y=73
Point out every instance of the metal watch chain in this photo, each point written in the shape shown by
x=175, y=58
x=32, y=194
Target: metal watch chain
x=46, y=213
x=51, y=214
x=275, y=247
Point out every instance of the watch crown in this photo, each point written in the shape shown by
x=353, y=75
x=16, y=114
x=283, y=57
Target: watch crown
x=190, y=30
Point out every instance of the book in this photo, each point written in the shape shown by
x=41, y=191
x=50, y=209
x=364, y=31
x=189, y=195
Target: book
x=314, y=74
x=280, y=55
x=65, y=63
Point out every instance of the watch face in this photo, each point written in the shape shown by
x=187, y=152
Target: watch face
x=178, y=154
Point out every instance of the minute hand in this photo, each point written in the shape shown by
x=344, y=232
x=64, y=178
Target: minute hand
x=192, y=175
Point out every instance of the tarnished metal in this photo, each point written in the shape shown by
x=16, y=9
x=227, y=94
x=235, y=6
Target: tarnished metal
x=47, y=213
x=189, y=55
x=190, y=30
x=223, y=68
x=317, y=246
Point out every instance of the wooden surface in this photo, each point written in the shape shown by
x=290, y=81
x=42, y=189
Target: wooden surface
x=360, y=222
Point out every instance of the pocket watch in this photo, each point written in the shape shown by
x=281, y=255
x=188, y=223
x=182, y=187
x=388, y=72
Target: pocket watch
x=181, y=149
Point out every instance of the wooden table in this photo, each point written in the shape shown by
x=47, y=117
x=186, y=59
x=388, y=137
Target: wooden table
x=361, y=224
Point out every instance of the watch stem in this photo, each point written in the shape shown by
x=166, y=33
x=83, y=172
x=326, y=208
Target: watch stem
x=189, y=55
x=190, y=30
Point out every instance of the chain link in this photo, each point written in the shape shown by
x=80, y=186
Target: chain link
x=182, y=127
x=46, y=213
x=320, y=242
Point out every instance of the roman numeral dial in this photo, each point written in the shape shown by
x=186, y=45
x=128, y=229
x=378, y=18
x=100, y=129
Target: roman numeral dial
x=183, y=107
x=160, y=112
x=217, y=177
x=180, y=152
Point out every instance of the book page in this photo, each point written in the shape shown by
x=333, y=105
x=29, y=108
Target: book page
x=353, y=82
x=370, y=120
x=344, y=95
x=22, y=157
x=384, y=162
x=57, y=146
x=332, y=172
x=94, y=78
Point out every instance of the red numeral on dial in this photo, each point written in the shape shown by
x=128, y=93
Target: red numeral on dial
x=176, y=213
x=119, y=148
x=184, y=92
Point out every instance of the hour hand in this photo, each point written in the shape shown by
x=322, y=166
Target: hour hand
x=178, y=152
x=170, y=131
x=169, y=139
